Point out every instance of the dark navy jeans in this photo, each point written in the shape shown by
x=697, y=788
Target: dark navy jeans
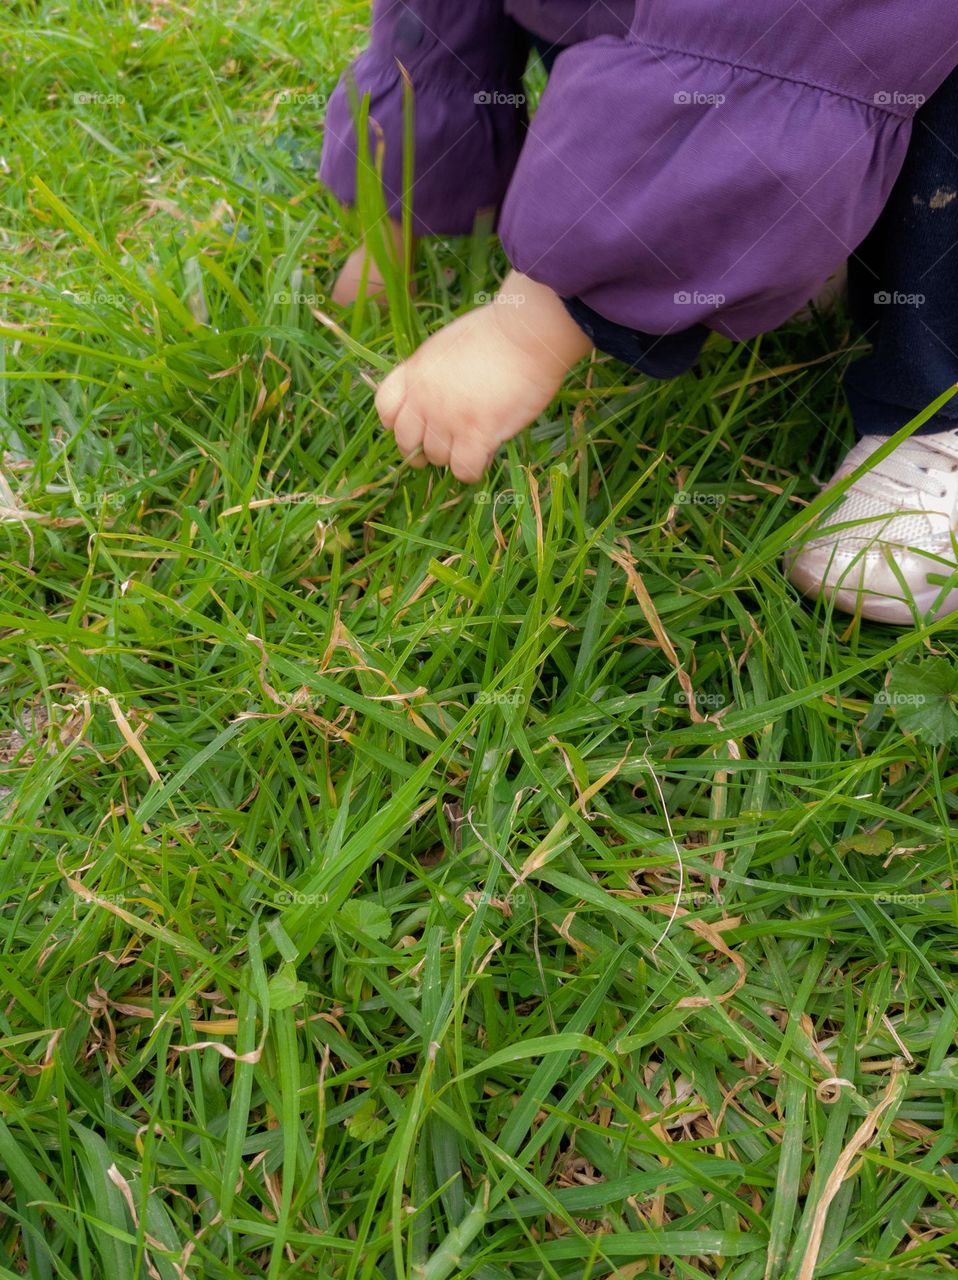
x=903, y=285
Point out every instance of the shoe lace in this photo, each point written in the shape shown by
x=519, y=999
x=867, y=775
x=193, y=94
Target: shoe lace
x=916, y=464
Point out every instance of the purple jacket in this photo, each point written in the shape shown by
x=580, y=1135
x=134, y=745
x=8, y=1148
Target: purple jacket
x=692, y=161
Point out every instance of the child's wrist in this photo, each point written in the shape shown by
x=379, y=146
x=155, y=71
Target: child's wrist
x=533, y=317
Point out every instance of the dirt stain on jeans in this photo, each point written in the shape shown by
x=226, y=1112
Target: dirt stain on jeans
x=942, y=198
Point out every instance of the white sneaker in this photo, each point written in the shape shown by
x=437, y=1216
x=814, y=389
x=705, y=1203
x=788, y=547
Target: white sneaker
x=904, y=514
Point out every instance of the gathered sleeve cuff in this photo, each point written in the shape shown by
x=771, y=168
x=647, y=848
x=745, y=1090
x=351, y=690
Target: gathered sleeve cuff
x=664, y=185
x=465, y=65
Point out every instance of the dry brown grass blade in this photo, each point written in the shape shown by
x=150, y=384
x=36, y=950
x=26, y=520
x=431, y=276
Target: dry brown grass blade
x=223, y=1050
x=861, y=1138
x=712, y=934
x=546, y=846
x=118, y=1180
x=288, y=704
x=626, y=562
x=129, y=737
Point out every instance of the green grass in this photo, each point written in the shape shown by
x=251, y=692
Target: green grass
x=531, y=854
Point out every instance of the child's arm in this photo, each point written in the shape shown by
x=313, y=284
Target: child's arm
x=479, y=381
x=710, y=171
x=464, y=63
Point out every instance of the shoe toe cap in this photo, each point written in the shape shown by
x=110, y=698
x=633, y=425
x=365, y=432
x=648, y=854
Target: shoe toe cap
x=886, y=584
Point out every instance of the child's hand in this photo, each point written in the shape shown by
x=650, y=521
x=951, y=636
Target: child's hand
x=482, y=379
x=346, y=288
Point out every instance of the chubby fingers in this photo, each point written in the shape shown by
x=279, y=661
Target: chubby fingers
x=437, y=444
x=468, y=458
x=410, y=431
x=400, y=418
x=465, y=452
x=391, y=397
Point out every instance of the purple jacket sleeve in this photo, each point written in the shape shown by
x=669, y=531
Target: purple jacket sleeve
x=717, y=164
x=465, y=61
